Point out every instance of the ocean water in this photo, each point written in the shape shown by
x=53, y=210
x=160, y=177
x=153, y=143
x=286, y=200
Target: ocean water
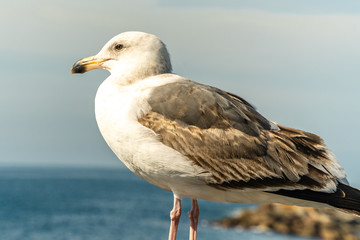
x=99, y=204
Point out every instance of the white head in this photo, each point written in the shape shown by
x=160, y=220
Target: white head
x=129, y=56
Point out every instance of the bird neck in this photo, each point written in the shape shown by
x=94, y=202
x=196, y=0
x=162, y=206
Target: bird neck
x=131, y=73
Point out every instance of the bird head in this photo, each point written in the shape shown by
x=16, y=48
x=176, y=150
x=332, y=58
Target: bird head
x=133, y=55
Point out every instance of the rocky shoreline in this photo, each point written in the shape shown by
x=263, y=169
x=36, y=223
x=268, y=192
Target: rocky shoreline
x=327, y=224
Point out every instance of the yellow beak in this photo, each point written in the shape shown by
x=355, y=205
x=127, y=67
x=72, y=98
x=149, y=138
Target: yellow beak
x=87, y=64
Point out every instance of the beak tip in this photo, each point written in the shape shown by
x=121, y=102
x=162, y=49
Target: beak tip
x=78, y=68
x=87, y=64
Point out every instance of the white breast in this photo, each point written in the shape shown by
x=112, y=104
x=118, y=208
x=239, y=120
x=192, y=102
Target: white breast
x=117, y=109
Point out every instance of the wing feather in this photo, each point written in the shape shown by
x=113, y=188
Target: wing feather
x=228, y=138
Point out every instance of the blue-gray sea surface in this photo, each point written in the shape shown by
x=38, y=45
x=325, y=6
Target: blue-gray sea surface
x=99, y=204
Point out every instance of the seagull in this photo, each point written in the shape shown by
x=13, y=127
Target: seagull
x=201, y=142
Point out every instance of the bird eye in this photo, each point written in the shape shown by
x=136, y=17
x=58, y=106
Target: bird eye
x=118, y=47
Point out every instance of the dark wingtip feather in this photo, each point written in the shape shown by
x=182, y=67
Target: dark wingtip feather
x=350, y=202
x=345, y=198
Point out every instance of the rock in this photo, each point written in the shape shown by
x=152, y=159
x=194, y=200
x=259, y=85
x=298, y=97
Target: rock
x=301, y=221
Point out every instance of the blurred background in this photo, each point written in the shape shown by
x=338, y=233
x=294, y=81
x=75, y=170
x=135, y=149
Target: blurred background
x=296, y=61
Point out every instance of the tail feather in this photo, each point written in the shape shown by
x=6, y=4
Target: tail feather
x=345, y=198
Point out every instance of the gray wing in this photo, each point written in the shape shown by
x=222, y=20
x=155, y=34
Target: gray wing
x=206, y=107
x=228, y=138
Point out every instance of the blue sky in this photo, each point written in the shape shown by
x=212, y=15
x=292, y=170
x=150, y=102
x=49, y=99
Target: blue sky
x=296, y=61
x=277, y=6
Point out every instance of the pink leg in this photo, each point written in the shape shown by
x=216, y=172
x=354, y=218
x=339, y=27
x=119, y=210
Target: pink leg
x=175, y=218
x=194, y=218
